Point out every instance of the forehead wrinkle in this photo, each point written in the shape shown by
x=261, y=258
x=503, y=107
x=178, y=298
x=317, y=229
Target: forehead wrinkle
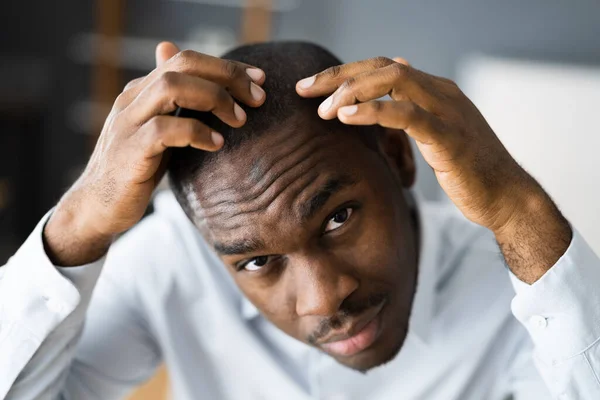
x=254, y=183
x=262, y=194
x=334, y=184
x=294, y=194
x=264, y=205
x=258, y=171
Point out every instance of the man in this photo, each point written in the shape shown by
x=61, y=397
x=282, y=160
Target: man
x=308, y=270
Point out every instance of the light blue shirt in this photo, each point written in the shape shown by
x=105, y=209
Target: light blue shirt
x=162, y=296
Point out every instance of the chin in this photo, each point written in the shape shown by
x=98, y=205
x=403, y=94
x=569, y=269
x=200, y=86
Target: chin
x=391, y=339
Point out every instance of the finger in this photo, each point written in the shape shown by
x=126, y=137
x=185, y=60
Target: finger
x=133, y=83
x=174, y=89
x=241, y=79
x=329, y=80
x=164, y=51
x=418, y=123
x=397, y=80
x=162, y=132
x=401, y=61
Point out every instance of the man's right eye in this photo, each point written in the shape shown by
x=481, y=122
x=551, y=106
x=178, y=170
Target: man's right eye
x=255, y=264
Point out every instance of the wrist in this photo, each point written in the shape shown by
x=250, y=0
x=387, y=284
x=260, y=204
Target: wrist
x=527, y=205
x=71, y=238
x=535, y=236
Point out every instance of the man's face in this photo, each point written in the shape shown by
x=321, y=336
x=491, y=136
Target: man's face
x=315, y=231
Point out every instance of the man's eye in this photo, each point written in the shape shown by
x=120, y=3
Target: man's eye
x=256, y=263
x=338, y=219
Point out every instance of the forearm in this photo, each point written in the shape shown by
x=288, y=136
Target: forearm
x=535, y=236
x=42, y=308
x=68, y=239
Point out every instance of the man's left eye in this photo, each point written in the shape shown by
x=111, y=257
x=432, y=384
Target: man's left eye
x=338, y=219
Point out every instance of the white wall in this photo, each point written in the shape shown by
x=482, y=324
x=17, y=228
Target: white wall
x=548, y=117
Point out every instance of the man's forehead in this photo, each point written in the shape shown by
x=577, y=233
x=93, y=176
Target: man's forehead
x=261, y=160
x=288, y=177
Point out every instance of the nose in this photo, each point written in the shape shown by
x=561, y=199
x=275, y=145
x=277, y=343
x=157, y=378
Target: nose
x=321, y=287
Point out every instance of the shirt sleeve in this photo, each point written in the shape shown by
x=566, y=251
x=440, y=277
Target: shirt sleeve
x=47, y=351
x=561, y=312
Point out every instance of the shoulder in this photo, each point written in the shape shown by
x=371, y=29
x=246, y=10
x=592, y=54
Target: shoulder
x=162, y=253
x=470, y=275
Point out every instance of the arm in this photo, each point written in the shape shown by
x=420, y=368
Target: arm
x=38, y=303
x=47, y=352
x=557, y=274
x=45, y=289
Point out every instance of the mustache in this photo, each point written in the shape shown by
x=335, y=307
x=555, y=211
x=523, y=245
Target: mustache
x=347, y=311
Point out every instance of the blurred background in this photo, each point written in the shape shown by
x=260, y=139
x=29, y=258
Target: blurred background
x=532, y=66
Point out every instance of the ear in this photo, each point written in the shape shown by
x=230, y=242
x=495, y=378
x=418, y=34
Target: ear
x=396, y=147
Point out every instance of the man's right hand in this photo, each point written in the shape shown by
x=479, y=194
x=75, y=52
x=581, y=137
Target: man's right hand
x=128, y=162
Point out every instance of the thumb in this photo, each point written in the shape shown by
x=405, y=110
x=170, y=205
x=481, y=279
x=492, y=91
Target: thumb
x=164, y=51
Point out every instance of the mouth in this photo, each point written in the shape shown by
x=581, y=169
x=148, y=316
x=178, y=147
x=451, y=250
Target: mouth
x=357, y=337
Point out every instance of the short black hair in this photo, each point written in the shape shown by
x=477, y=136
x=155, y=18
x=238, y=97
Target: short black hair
x=284, y=64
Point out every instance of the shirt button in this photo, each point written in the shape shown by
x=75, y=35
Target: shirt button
x=54, y=305
x=538, y=322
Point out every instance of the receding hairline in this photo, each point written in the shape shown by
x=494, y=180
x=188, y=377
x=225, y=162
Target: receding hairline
x=285, y=104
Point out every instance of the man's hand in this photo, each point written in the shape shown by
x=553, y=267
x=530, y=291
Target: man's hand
x=470, y=162
x=129, y=159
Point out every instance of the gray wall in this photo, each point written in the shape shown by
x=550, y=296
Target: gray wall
x=432, y=35
x=435, y=35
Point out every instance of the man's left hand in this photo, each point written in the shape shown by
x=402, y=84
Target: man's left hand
x=469, y=161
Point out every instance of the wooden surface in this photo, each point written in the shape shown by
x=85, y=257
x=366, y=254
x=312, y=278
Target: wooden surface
x=156, y=389
x=106, y=77
x=256, y=21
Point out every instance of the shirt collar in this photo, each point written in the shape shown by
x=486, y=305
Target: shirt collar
x=247, y=309
x=423, y=303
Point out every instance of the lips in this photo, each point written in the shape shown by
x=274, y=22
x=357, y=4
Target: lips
x=357, y=337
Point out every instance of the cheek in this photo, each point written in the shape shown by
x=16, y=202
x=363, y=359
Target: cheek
x=274, y=303
x=381, y=246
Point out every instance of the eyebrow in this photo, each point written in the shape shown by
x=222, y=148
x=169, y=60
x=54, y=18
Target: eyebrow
x=307, y=211
x=243, y=246
x=319, y=199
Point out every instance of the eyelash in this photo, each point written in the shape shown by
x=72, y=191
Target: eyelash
x=352, y=209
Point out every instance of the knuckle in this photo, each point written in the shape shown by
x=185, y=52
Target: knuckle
x=167, y=80
x=381, y=61
x=122, y=99
x=411, y=108
x=187, y=54
x=399, y=70
x=231, y=69
x=376, y=106
x=223, y=98
x=195, y=126
x=184, y=58
x=348, y=84
x=454, y=86
x=333, y=72
x=132, y=83
x=155, y=127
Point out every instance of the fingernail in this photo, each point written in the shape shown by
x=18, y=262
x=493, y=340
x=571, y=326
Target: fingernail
x=326, y=105
x=306, y=82
x=217, y=138
x=257, y=92
x=239, y=113
x=348, y=110
x=255, y=74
